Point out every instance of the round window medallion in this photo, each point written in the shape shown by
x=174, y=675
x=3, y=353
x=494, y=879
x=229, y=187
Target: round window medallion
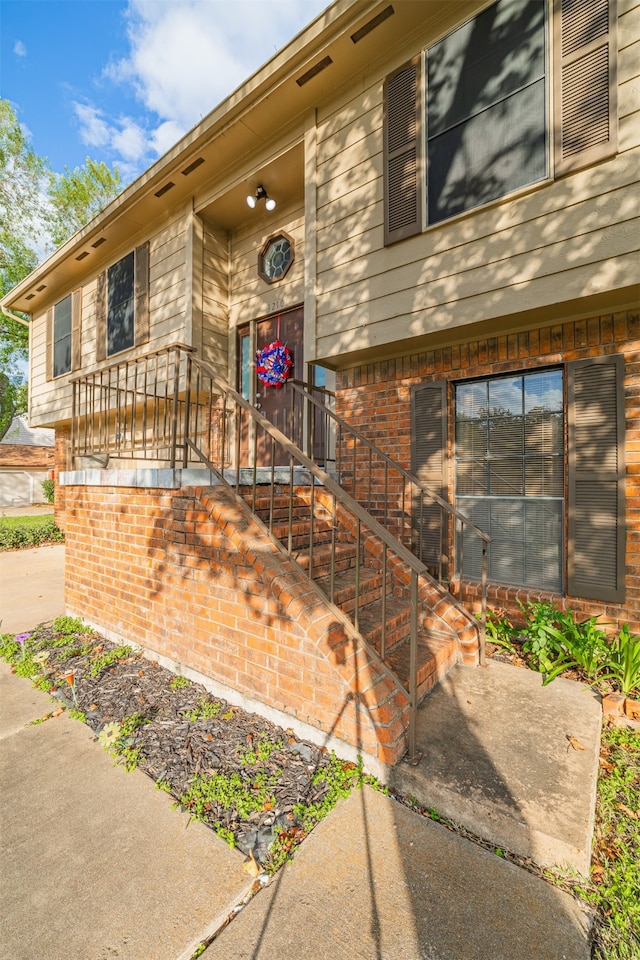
x=275, y=258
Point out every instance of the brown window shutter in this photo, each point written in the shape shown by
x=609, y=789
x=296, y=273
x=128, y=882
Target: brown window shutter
x=142, y=294
x=402, y=156
x=76, y=330
x=428, y=463
x=585, y=82
x=49, y=360
x=101, y=317
x=596, y=549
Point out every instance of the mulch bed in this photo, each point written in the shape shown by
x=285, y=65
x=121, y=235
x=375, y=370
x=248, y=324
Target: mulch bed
x=183, y=732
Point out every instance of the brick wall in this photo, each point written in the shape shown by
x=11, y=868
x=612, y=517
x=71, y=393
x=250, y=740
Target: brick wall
x=195, y=580
x=375, y=398
x=61, y=464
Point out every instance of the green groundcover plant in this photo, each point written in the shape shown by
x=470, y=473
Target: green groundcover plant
x=19, y=532
x=553, y=642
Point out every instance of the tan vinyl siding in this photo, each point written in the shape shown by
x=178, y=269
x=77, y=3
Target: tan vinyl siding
x=51, y=401
x=214, y=342
x=547, y=244
x=250, y=296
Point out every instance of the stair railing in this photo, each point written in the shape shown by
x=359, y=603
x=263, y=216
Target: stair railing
x=385, y=488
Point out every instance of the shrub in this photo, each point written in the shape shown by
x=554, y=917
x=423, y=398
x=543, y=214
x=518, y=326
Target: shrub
x=19, y=532
x=48, y=489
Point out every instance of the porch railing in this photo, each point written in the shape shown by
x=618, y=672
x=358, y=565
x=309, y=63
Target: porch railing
x=170, y=405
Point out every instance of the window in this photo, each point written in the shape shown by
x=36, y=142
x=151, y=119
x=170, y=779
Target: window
x=62, y=337
x=275, y=258
x=468, y=121
x=122, y=304
x=486, y=108
x=510, y=476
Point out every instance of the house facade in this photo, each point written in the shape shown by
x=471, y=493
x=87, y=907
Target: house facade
x=452, y=258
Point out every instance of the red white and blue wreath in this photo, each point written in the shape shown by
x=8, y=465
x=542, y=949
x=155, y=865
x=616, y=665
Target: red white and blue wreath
x=273, y=364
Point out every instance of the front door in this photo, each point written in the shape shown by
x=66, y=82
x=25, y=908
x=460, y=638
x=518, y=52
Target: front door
x=274, y=404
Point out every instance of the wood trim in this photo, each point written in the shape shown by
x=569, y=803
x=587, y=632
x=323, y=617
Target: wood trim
x=585, y=56
x=596, y=481
x=402, y=151
x=101, y=317
x=141, y=294
x=76, y=330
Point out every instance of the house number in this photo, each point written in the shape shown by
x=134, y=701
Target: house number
x=276, y=305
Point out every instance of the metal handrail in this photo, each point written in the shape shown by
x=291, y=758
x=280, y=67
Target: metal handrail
x=175, y=406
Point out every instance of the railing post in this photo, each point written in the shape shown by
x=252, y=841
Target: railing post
x=174, y=413
x=74, y=426
x=187, y=414
x=483, y=603
x=413, y=669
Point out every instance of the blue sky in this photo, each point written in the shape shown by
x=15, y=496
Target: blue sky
x=123, y=80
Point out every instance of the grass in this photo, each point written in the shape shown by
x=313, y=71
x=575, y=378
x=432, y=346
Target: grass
x=19, y=532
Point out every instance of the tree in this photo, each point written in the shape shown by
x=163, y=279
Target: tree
x=76, y=196
x=39, y=211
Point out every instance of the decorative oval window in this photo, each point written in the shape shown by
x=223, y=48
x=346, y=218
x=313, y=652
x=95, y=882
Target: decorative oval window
x=275, y=257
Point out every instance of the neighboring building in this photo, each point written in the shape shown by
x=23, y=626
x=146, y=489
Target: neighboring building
x=26, y=459
x=454, y=250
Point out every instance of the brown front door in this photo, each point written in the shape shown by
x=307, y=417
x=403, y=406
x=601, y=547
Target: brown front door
x=272, y=403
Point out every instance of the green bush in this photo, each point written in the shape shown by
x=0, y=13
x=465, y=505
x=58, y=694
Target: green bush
x=48, y=489
x=20, y=532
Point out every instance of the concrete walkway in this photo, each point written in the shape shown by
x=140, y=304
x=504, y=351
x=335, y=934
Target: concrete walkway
x=31, y=587
x=95, y=864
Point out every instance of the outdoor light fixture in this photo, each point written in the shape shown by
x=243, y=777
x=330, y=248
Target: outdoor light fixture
x=261, y=194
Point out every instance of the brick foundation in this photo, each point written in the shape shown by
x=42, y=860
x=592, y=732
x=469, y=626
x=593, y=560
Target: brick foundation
x=192, y=578
x=376, y=399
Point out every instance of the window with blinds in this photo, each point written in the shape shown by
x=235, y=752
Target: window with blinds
x=510, y=476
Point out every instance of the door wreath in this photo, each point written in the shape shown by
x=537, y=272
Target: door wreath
x=273, y=364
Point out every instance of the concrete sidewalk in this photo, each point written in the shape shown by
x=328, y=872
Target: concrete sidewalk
x=96, y=864
x=31, y=587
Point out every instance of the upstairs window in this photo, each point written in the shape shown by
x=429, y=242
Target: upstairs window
x=122, y=304
x=468, y=122
x=486, y=108
x=62, y=337
x=64, y=322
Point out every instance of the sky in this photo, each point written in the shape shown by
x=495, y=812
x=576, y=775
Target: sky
x=123, y=80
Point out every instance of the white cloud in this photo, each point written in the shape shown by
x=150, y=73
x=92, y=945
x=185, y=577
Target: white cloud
x=19, y=49
x=185, y=57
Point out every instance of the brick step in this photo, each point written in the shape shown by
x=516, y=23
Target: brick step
x=344, y=587
x=299, y=508
x=322, y=530
x=345, y=558
x=398, y=622
x=437, y=654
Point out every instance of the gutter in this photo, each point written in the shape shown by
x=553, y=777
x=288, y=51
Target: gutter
x=13, y=316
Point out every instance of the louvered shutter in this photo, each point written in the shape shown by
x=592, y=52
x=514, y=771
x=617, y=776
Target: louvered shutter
x=596, y=549
x=428, y=445
x=402, y=153
x=76, y=330
x=141, y=294
x=101, y=318
x=50, y=345
x=585, y=82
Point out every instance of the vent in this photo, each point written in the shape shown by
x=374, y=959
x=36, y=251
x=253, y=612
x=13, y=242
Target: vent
x=314, y=71
x=165, y=189
x=82, y=256
x=99, y=242
x=192, y=166
x=30, y=297
x=372, y=24
x=42, y=287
